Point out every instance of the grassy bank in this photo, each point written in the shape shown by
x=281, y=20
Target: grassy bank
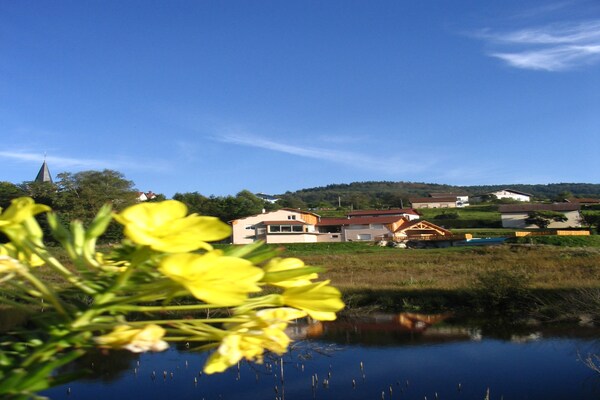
x=453, y=277
x=547, y=267
x=501, y=277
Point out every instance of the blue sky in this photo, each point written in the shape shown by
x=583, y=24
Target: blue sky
x=271, y=96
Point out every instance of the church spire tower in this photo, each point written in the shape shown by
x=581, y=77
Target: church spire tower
x=44, y=174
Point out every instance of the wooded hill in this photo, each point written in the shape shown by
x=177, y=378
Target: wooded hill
x=363, y=195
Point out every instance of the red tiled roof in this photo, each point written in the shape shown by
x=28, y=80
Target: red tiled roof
x=386, y=219
x=581, y=200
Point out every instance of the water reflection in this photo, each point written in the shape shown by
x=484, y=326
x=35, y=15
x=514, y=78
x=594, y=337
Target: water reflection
x=406, y=356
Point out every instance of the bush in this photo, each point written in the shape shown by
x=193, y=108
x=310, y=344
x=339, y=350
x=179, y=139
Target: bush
x=503, y=291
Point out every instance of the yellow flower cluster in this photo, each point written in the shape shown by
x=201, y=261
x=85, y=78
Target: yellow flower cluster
x=136, y=340
x=166, y=227
x=167, y=256
x=222, y=280
x=265, y=330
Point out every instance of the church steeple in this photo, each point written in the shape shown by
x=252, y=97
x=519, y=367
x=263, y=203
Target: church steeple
x=44, y=174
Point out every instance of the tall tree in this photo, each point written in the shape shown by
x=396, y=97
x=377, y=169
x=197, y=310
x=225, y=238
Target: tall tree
x=80, y=195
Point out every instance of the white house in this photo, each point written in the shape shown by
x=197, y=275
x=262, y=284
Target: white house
x=511, y=194
x=281, y=226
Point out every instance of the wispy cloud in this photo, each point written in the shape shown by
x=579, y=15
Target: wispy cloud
x=58, y=163
x=380, y=163
x=555, y=47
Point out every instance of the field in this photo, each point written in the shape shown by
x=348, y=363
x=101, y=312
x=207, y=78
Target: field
x=463, y=277
x=433, y=279
x=365, y=266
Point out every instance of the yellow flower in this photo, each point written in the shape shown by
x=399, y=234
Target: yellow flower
x=212, y=277
x=23, y=257
x=279, y=315
x=248, y=340
x=108, y=264
x=17, y=220
x=9, y=264
x=319, y=300
x=21, y=209
x=288, y=272
x=165, y=227
x=136, y=340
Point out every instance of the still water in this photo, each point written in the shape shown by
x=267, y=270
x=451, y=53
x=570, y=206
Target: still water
x=402, y=356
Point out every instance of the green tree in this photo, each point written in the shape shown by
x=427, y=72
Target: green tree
x=80, y=195
x=544, y=218
x=288, y=200
x=225, y=208
x=195, y=202
x=592, y=219
x=9, y=191
x=41, y=192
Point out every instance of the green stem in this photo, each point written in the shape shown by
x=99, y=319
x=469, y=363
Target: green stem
x=191, y=307
x=47, y=293
x=53, y=263
x=204, y=321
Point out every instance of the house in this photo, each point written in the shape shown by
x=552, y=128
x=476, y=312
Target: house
x=514, y=215
x=357, y=229
x=409, y=213
x=462, y=200
x=419, y=230
x=583, y=201
x=294, y=226
x=280, y=226
x=433, y=202
x=511, y=194
x=141, y=196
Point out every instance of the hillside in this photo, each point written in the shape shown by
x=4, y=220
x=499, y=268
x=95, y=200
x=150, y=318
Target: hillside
x=384, y=194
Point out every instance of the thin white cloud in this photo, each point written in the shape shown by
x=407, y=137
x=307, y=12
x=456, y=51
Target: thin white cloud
x=59, y=163
x=556, y=47
x=381, y=163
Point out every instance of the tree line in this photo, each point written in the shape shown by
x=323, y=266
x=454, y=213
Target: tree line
x=80, y=195
x=386, y=194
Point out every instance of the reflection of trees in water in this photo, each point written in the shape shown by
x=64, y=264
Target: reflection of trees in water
x=102, y=366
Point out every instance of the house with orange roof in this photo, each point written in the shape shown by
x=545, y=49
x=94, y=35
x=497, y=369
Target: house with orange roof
x=295, y=226
x=285, y=225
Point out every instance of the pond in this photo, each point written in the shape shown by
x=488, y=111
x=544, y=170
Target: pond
x=401, y=356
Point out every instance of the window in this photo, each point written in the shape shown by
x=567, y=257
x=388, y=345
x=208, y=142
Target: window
x=285, y=228
x=291, y=217
x=250, y=227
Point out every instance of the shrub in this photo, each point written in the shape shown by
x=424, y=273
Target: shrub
x=502, y=290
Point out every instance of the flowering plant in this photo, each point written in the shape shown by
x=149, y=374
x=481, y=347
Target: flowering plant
x=111, y=299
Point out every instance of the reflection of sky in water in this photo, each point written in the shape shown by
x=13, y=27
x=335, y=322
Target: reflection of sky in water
x=538, y=369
